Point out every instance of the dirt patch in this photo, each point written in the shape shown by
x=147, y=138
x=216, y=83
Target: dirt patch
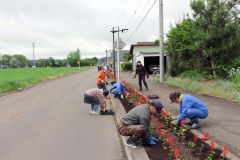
x=184, y=142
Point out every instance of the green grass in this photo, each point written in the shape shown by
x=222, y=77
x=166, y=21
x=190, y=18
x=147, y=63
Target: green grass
x=15, y=79
x=219, y=88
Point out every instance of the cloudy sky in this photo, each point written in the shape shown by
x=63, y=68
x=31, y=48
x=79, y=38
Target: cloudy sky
x=60, y=26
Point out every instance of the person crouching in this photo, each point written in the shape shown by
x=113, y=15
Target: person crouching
x=136, y=123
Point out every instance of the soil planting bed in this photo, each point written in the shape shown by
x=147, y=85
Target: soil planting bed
x=185, y=145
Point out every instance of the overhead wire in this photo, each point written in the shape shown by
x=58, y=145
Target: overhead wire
x=119, y=8
x=140, y=23
x=134, y=14
x=138, y=16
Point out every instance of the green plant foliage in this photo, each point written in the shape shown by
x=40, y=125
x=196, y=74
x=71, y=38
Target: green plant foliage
x=234, y=74
x=207, y=43
x=126, y=66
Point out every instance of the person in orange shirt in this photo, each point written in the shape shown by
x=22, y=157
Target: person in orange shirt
x=102, y=78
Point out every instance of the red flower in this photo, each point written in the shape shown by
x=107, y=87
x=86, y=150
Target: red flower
x=224, y=151
x=206, y=136
x=170, y=142
x=163, y=133
x=159, y=127
x=165, y=113
x=195, y=138
x=212, y=144
x=176, y=152
x=182, y=123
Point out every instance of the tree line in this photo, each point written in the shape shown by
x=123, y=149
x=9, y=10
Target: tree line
x=207, y=43
x=20, y=61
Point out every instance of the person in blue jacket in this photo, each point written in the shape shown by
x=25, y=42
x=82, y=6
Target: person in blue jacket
x=190, y=107
x=117, y=89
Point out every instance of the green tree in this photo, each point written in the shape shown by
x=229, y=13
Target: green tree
x=73, y=57
x=180, y=47
x=20, y=60
x=51, y=62
x=6, y=60
x=218, y=32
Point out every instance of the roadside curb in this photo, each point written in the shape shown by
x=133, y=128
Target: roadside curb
x=132, y=154
x=229, y=155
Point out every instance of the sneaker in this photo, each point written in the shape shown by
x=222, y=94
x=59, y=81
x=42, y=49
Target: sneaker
x=107, y=112
x=95, y=113
x=132, y=144
x=195, y=126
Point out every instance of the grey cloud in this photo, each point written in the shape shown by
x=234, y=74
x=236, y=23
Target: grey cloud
x=60, y=26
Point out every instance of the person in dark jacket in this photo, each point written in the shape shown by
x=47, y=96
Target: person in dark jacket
x=136, y=123
x=190, y=107
x=141, y=72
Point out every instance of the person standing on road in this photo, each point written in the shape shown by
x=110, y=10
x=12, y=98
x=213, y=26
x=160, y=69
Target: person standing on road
x=141, y=72
x=136, y=123
x=96, y=97
x=102, y=78
x=190, y=107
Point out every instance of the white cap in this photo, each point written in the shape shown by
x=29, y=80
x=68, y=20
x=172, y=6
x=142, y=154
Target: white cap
x=104, y=67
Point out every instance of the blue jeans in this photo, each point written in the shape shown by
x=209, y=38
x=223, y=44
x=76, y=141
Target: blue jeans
x=114, y=91
x=94, y=107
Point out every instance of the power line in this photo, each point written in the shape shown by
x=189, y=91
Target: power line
x=145, y=16
x=142, y=11
x=119, y=8
x=131, y=19
x=138, y=5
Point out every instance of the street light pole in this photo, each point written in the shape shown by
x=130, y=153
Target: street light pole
x=33, y=45
x=118, y=53
x=106, y=57
x=114, y=67
x=118, y=61
x=161, y=40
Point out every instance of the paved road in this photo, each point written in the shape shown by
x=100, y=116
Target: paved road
x=223, y=122
x=51, y=122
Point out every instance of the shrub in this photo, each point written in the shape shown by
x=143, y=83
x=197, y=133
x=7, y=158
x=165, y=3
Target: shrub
x=193, y=75
x=126, y=66
x=234, y=74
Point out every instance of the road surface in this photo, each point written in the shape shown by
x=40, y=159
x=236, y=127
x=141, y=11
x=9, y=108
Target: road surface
x=50, y=122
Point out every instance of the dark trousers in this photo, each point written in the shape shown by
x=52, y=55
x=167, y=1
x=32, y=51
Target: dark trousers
x=134, y=131
x=101, y=86
x=140, y=79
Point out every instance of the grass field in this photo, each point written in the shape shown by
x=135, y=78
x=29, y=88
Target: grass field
x=15, y=79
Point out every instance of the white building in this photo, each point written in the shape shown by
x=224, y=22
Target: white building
x=147, y=53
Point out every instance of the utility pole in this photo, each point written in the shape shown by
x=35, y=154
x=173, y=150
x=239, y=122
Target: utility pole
x=114, y=68
x=118, y=61
x=161, y=40
x=106, y=57
x=33, y=45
